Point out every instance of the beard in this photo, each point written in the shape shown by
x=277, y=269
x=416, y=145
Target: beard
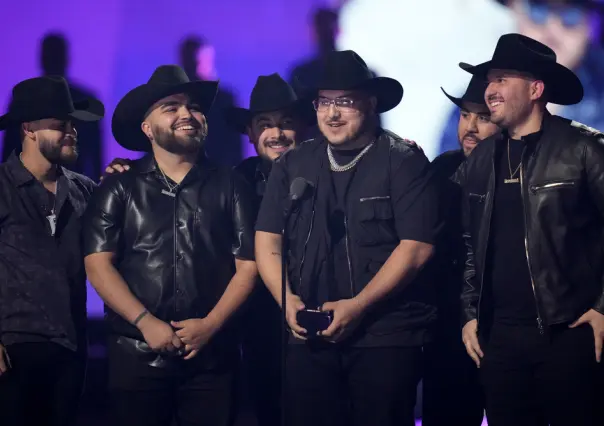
x=53, y=152
x=181, y=145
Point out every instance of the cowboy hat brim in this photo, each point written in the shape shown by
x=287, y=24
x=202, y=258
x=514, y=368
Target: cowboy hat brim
x=456, y=101
x=86, y=110
x=130, y=111
x=563, y=86
x=388, y=91
x=239, y=119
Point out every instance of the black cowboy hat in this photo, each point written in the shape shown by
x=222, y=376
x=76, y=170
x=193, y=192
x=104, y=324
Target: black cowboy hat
x=270, y=93
x=166, y=80
x=521, y=53
x=474, y=92
x=48, y=97
x=345, y=70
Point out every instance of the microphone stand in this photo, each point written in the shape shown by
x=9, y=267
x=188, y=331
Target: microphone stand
x=285, y=326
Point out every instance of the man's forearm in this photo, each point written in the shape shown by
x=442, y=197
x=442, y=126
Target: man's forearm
x=236, y=293
x=268, y=258
x=399, y=270
x=112, y=288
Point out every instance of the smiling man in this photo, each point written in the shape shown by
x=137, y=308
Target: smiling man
x=358, y=238
x=533, y=198
x=273, y=123
x=169, y=247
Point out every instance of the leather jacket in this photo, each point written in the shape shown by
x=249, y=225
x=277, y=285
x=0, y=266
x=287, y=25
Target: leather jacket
x=176, y=251
x=562, y=184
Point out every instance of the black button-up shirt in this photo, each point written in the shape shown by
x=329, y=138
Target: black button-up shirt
x=42, y=276
x=176, y=251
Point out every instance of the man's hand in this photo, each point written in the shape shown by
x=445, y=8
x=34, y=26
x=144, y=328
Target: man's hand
x=596, y=320
x=159, y=335
x=347, y=313
x=294, y=305
x=117, y=165
x=4, y=361
x=469, y=337
x=195, y=334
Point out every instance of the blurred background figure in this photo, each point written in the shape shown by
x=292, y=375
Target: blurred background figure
x=324, y=31
x=54, y=60
x=223, y=145
x=571, y=29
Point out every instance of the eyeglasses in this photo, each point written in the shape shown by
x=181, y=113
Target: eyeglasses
x=570, y=16
x=341, y=104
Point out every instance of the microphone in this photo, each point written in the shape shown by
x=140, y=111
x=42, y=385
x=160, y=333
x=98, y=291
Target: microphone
x=296, y=190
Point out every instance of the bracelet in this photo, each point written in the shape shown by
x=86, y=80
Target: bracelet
x=140, y=317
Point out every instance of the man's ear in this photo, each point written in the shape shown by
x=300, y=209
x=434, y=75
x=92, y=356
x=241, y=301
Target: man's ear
x=146, y=128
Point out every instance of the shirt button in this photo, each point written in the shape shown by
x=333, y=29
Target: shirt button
x=178, y=291
x=181, y=223
x=178, y=256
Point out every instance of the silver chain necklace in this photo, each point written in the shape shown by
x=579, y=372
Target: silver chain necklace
x=170, y=187
x=335, y=167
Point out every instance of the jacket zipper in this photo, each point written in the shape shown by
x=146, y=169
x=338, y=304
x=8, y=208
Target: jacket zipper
x=312, y=221
x=526, y=249
x=384, y=197
x=489, y=208
x=348, y=257
x=535, y=188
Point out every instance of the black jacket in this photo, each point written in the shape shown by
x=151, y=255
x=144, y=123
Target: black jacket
x=562, y=184
x=371, y=235
x=177, y=254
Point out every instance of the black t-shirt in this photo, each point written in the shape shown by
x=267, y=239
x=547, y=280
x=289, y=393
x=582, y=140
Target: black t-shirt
x=339, y=286
x=511, y=288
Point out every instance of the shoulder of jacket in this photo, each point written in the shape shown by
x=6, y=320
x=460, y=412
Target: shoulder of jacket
x=589, y=132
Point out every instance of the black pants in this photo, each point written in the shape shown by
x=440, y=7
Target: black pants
x=332, y=386
x=43, y=386
x=262, y=356
x=532, y=379
x=197, y=392
x=452, y=394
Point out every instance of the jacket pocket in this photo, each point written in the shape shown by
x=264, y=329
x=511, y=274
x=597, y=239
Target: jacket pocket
x=376, y=221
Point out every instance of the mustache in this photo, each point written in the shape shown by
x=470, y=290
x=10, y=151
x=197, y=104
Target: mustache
x=494, y=97
x=471, y=137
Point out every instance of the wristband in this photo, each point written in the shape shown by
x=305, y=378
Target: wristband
x=140, y=317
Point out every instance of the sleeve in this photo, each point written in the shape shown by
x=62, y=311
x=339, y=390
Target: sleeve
x=470, y=292
x=594, y=171
x=104, y=218
x=270, y=217
x=414, y=197
x=244, y=215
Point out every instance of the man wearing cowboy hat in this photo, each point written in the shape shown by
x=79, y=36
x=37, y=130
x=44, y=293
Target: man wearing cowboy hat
x=451, y=391
x=42, y=276
x=273, y=123
x=358, y=236
x=533, y=296
x=169, y=247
